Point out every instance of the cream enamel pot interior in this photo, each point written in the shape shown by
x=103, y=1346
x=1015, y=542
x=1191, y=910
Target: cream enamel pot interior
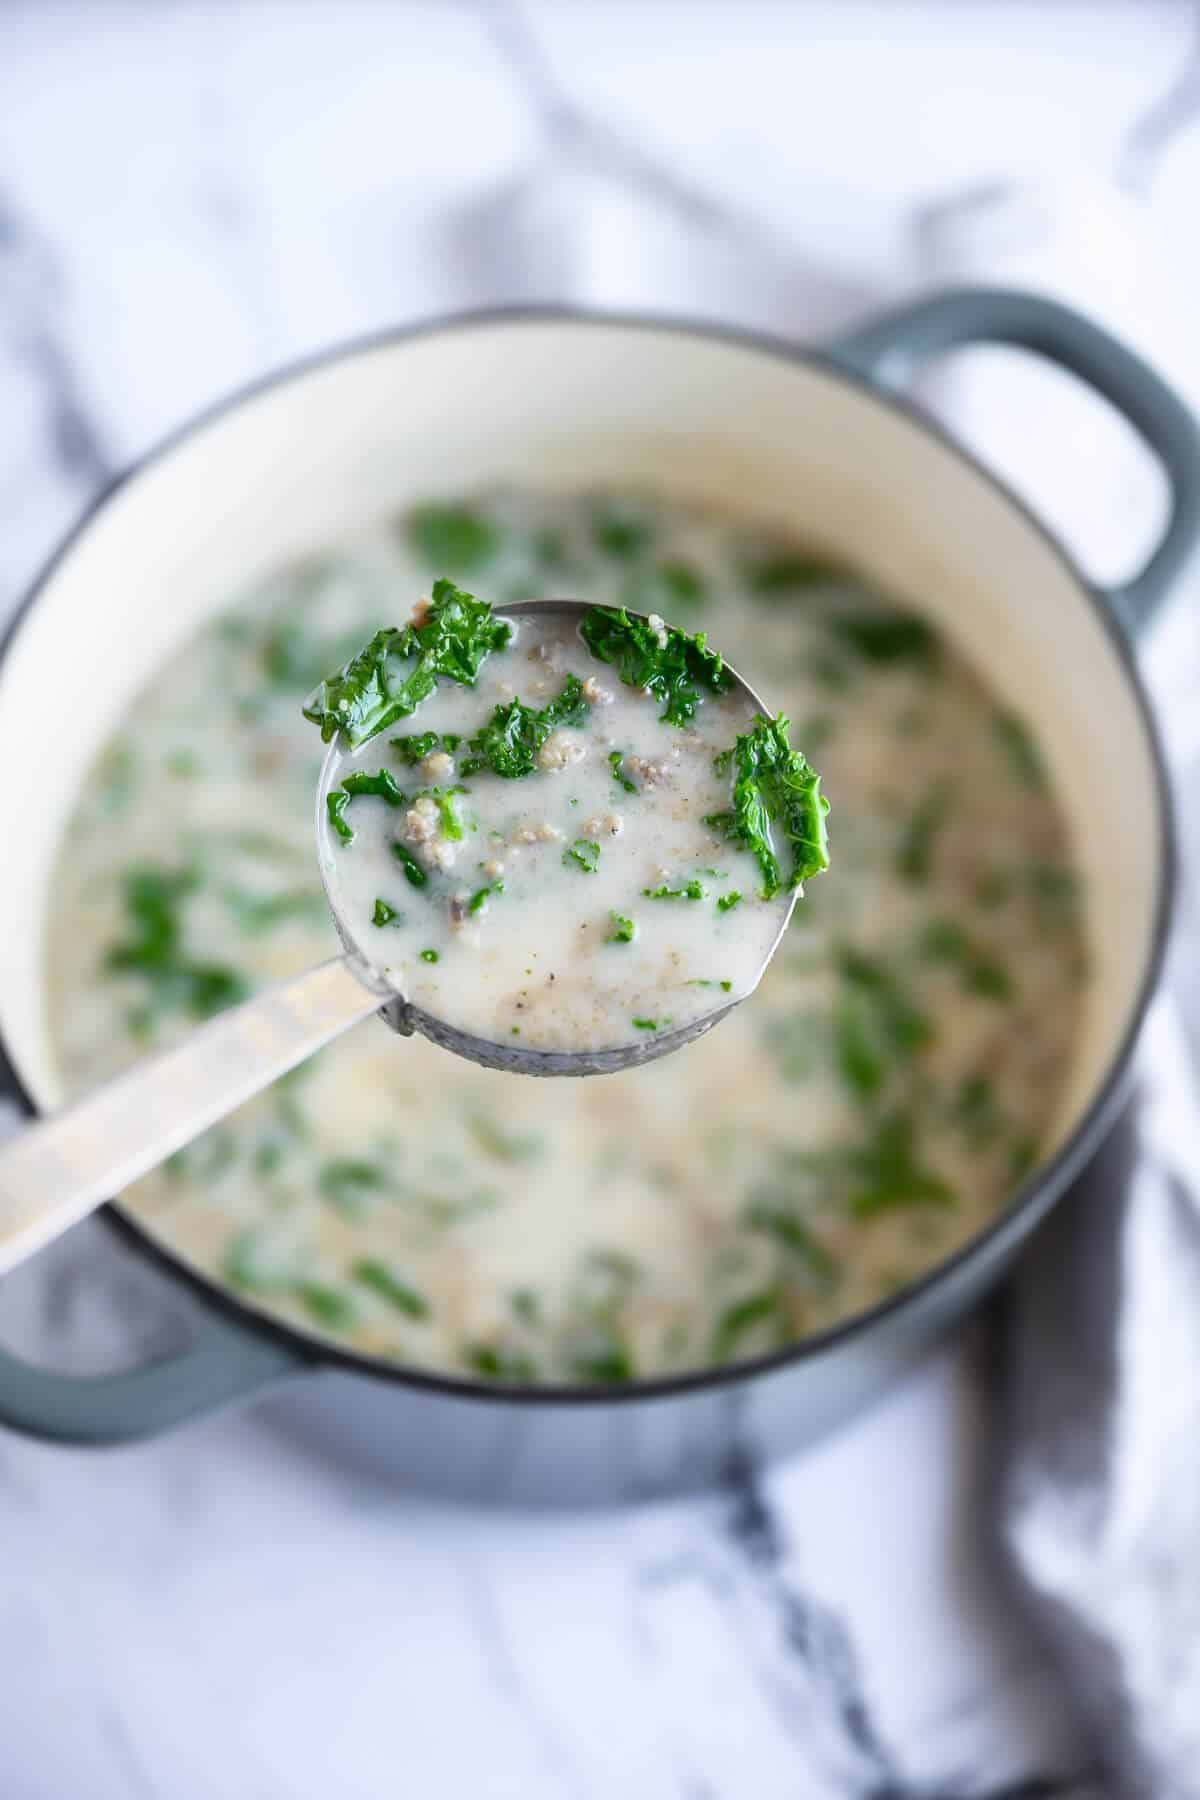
x=812, y=440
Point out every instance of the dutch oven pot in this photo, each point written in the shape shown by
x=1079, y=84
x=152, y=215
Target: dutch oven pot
x=818, y=441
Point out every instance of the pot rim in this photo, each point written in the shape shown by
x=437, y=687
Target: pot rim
x=1043, y=1184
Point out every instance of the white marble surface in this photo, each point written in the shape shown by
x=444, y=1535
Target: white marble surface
x=190, y=194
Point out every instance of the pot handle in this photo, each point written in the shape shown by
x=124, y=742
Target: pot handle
x=227, y=1361
x=889, y=350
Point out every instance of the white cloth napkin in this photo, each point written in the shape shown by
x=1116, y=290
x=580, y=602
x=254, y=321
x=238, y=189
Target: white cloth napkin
x=1098, y=1375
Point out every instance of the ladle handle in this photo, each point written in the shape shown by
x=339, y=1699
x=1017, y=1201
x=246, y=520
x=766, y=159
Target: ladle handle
x=56, y=1171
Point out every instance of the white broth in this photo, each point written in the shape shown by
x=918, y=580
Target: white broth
x=554, y=868
x=867, y=1111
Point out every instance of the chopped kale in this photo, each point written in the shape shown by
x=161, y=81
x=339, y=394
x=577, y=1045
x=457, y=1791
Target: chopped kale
x=774, y=1214
x=668, y=587
x=336, y=803
x=255, y=913
x=623, y=930
x=415, y=748
x=764, y=1311
x=791, y=572
x=509, y=743
x=399, y=668
x=772, y=783
x=976, y=1111
x=400, y=1294
x=329, y=1306
x=413, y=872
x=505, y=1146
x=650, y=1024
x=670, y=664
x=918, y=839
x=582, y=854
x=615, y=760
x=885, y=637
x=450, y=536
x=154, y=901
x=347, y=1183
x=620, y=529
x=381, y=786
x=688, y=890
x=526, y=1306
x=597, y=1353
x=1017, y=743
x=875, y=1024
x=385, y=914
x=500, y=1362
x=981, y=972
x=429, y=956
x=727, y=902
x=479, y=899
x=247, y=1263
x=884, y=1172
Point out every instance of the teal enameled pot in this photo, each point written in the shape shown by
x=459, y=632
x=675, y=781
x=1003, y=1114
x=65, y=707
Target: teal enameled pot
x=816, y=437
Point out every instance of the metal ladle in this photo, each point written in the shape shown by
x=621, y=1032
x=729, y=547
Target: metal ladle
x=56, y=1171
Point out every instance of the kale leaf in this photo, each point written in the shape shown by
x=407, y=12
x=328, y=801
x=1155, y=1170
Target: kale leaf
x=774, y=783
x=670, y=664
x=508, y=744
x=399, y=668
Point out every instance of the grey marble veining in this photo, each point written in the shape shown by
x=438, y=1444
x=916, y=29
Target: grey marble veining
x=190, y=194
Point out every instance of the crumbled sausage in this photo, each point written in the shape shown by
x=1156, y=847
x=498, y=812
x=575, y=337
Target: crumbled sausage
x=606, y=825
x=421, y=821
x=596, y=695
x=560, y=750
x=437, y=766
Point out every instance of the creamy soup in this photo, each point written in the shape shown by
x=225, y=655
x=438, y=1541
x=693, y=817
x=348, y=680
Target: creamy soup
x=565, y=867
x=870, y=1108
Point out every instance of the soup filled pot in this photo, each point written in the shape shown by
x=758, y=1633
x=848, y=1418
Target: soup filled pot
x=487, y=1358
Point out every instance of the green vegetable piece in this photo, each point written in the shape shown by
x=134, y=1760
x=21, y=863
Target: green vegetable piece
x=400, y=667
x=446, y=800
x=505, y=1146
x=509, y=743
x=154, y=900
x=429, y=956
x=774, y=784
x=689, y=890
x=598, y=1354
x=584, y=854
x=774, y=1216
x=449, y=536
x=257, y=913
x=400, y=1294
x=727, y=902
x=329, y=1306
x=650, y=1024
x=976, y=1111
x=876, y=1026
x=384, y=914
x=1017, y=742
x=621, y=530
x=247, y=1264
x=615, y=760
x=673, y=666
x=413, y=872
x=479, y=899
x=346, y=1182
x=885, y=1173
x=886, y=637
x=381, y=786
x=981, y=972
x=500, y=1362
x=744, y=1317
x=336, y=803
x=415, y=749
x=918, y=839
x=623, y=930
x=526, y=1306
x=791, y=572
